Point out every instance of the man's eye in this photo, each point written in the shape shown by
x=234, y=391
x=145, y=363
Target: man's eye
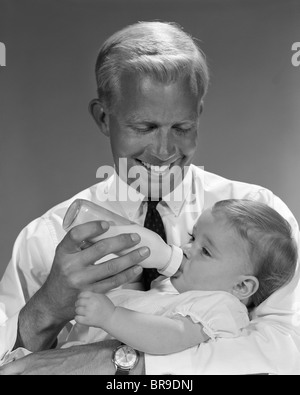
x=145, y=129
x=181, y=130
x=205, y=252
x=192, y=238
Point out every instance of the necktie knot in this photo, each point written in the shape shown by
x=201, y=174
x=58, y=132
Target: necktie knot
x=152, y=204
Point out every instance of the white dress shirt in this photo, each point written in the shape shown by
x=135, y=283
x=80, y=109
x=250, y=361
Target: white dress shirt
x=272, y=342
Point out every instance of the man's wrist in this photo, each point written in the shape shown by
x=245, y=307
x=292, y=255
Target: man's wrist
x=37, y=327
x=139, y=369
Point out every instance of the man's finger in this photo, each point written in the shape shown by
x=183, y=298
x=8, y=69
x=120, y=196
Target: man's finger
x=110, y=245
x=117, y=280
x=75, y=239
x=115, y=266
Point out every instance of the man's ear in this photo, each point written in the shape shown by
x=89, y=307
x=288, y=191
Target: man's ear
x=100, y=115
x=201, y=106
x=246, y=287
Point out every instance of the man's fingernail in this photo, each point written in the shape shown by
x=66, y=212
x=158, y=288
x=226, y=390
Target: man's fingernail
x=138, y=269
x=104, y=225
x=144, y=251
x=135, y=237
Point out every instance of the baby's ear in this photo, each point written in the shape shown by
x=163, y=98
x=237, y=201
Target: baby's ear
x=246, y=287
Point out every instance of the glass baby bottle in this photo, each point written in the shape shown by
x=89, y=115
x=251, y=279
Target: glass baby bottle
x=166, y=258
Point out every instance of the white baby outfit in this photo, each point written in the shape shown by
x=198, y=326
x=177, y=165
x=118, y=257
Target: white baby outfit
x=220, y=313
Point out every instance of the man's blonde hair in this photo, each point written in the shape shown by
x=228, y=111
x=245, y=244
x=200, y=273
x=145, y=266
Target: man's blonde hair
x=160, y=50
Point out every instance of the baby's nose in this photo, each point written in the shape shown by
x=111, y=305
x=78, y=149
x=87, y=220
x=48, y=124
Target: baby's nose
x=186, y=251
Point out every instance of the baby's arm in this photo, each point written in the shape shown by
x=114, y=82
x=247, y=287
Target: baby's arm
x=145, y=332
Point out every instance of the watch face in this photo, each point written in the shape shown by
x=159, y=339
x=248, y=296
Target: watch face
x=125, y=357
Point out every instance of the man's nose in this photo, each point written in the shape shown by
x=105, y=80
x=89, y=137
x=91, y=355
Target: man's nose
x=164, y=145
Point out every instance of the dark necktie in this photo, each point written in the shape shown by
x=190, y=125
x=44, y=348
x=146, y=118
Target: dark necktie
x=153, y=222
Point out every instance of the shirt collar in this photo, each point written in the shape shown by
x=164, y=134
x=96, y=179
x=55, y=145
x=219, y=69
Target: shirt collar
x=124, y=195
x=177, y=198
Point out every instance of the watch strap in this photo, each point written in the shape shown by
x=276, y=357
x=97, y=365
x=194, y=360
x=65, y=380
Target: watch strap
x=121, y=372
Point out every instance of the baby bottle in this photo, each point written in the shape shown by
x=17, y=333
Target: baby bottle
x=166, y=258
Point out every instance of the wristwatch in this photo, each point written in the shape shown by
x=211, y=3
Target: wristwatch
x=125, y=358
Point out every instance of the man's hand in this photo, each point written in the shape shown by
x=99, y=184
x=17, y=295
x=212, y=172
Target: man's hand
x=90, y=359
x=73, y=270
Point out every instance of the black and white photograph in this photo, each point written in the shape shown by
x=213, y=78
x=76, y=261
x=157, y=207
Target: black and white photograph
x=149, y=190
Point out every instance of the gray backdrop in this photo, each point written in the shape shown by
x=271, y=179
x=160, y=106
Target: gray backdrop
x=50, y=148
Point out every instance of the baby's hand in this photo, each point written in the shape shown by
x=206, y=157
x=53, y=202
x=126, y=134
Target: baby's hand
x=93, y=309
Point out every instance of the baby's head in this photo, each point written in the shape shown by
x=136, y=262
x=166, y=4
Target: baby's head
x=242, y=247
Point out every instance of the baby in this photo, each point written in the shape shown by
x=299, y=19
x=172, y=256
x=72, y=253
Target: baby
x=240, y=252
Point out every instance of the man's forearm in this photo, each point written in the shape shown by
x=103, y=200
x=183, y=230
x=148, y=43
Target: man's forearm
x=88, y=359
x=38, y=327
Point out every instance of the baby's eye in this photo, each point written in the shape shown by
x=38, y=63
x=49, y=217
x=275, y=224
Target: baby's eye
x=205, y=252
x=192, y=238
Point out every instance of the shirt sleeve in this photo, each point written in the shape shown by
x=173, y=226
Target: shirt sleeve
x=28, y=269
x=221, y=314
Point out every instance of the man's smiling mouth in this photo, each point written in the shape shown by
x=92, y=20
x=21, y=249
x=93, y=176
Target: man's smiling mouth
x=155, y=169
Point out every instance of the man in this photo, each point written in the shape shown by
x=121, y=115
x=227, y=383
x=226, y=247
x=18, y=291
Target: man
x=151, y=80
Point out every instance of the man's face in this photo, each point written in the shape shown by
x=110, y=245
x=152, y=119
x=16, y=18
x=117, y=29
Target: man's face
x=154, y=126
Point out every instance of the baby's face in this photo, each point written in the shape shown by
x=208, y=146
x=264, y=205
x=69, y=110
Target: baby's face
x=215, y=258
